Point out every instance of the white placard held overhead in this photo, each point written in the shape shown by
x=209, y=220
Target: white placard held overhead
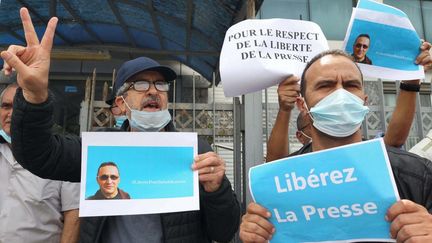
x=257, y=54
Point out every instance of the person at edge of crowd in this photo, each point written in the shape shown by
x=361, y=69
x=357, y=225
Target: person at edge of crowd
x=141, y=87
x=397, y=130
x=108, y=179
x=303, y=129
x=32, y=209
x=328, y=78
x=360, y=48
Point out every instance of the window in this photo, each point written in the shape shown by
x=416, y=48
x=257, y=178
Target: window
x=332, y=16
x=425, y=100
x=427, y=19
x=390, y=99
x=287, y=9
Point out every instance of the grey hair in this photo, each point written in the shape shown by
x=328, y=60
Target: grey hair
x=12, y=85
x=10, y=80
x=123, y=89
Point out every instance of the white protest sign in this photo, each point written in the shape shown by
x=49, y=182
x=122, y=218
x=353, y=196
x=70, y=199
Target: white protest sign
x=127, y=173
x=257, y=54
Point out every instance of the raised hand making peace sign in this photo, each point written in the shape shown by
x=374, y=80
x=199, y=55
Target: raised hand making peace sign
x=32, y=62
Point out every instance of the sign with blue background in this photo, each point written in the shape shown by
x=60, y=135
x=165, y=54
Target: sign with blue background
x=390, y=47
x=394, y=43
x=332, y=195
x=154, y=169
x=145, y=172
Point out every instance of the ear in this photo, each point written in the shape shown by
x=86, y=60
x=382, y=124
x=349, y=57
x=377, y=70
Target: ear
x=298, y=135
x=300, y=104
x=366, y=99
x=120, y=104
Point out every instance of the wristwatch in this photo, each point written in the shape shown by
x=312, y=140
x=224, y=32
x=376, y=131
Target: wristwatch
x=409, y=87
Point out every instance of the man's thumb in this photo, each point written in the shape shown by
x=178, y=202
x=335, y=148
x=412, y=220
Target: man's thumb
x=13, y=61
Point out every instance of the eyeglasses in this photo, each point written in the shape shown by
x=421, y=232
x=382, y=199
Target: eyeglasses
x=362, y=45
x=105, y=177
x=144, y=85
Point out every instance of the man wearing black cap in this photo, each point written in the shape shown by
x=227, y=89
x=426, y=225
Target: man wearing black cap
x=141, y=87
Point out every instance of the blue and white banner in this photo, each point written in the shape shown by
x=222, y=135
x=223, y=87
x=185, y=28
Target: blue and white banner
x=382, y=40
x=339, y=194
x=151, y=170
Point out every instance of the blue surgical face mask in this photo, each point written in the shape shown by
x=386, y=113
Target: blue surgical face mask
x=5, y=136
x=340, y=114
x=148, y=121
x=120, y=120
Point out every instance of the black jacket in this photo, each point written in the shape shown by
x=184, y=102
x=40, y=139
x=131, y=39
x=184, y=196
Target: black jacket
x=412, y=173
x=58, y=157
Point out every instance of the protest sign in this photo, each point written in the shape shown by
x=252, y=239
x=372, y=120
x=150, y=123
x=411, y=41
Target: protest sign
x=383, y=42
x=125, y=173
x=339, y=194
x=424, y=147
x=257, y=54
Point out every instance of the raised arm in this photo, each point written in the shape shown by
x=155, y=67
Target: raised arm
x=31, y=62
x=403, y=114
x=277, y=146
x=34, y=146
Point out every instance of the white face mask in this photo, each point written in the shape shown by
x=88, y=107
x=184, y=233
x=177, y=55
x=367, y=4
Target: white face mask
x=339, y=114
x=148, y=121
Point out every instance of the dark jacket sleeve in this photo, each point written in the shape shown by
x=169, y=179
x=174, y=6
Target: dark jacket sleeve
x=48, y=156
x=413, y=176
x=220, y=209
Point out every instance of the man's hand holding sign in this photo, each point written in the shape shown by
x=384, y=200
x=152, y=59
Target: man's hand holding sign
x=211, y=170
x=411, y=222
x=288, y=93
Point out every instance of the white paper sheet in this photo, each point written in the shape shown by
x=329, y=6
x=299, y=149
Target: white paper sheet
x=154, y=168
x=257, y=54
